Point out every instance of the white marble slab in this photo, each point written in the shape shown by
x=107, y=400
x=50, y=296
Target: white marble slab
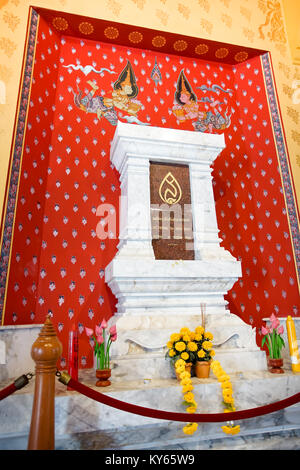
x=17, y=340
x=80, y=419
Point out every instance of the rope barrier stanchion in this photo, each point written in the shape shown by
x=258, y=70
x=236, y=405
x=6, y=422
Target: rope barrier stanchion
x=45, y=352
x=64, y=378
x=19, y=383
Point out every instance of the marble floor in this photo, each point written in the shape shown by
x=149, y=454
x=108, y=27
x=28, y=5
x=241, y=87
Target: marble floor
x=276, y=440
x=85, y=424
x=284, y=440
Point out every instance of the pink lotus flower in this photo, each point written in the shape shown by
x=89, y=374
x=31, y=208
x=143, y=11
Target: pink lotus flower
x=101, y=344
x=89, y=331
x=100, y=339
x=113, y=333
x=114, y=337
x=274, y=321
x=265, y=330
x=113, y=330
x=280, y=330
x=272, y=337
x=98, y=330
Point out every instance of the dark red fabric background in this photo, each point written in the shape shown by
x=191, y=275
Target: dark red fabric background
x=58, y=262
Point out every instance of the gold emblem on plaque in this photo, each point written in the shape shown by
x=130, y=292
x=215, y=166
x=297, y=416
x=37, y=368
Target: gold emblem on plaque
x=170, y=191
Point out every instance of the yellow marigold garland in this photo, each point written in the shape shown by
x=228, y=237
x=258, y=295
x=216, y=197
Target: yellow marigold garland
x=189, y=399
x=185, y=377
x=227, y=393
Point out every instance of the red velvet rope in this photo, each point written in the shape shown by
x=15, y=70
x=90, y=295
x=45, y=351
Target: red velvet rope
x=172, y=416
x=7, y=391
x=19, y=383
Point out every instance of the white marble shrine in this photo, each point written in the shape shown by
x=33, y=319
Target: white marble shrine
x=158, y=297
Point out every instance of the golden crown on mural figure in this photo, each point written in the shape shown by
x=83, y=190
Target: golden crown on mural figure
x=183, y=87
x=127, y=80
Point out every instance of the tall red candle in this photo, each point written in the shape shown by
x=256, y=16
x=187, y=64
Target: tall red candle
x=73, y=354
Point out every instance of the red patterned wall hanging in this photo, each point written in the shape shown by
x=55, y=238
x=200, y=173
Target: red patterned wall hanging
x=52, y=260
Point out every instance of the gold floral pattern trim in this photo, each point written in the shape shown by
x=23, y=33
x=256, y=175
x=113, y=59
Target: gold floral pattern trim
x=5, y=73
x=201, y=49
x=135, y=37
x=227, y=20
x=86, y=28
x=8, y=46
x=60, y=23
x=139, y=3
x=158, y=41
x=180, y=45
x=11, y=20
x=287, y=90
x=204, y=4
x=221, y=53
x=250, y=35
x=163, y=16
x=293, y=114
x=206, y=25
x=240, y=56
x=184, y=11
x=111, y=32
x=274, y=21
x=296, y=136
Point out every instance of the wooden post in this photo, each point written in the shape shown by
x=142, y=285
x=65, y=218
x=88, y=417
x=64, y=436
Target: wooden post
x=45, y=352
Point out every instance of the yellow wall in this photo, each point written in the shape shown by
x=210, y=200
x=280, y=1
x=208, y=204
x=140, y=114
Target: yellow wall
x=254, y=23
x=293, y=28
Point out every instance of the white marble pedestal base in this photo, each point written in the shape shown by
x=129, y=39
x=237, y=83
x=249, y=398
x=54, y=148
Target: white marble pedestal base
x=140, y=352
x=155, y=365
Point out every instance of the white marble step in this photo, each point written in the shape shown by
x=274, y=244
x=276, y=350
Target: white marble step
x=155, y=365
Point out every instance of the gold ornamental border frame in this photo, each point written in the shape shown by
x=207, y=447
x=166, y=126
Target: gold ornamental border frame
x=283, y=159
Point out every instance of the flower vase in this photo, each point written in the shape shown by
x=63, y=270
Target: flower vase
x=103, y=375
x=275, y=365
x=188, y=368
x=202, y=369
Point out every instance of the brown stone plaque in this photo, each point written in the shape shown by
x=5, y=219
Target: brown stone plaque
x=171, y=212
